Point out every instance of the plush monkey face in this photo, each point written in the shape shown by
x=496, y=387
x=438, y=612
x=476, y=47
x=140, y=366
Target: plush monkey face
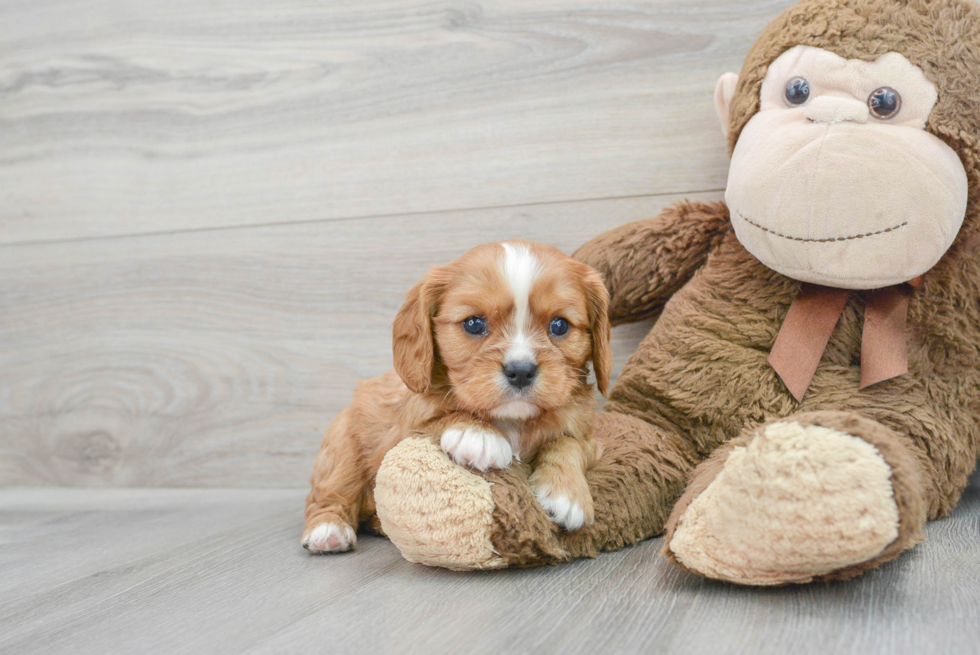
x=835, y=180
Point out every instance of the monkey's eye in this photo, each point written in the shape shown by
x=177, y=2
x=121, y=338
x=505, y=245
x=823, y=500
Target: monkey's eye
x=558, y=327
x=797, y=91
x=884, y=103
x=475, y=325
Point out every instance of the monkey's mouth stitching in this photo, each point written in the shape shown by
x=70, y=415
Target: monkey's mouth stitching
x=847, y=238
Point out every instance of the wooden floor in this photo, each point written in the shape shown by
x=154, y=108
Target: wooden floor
x=221, y=571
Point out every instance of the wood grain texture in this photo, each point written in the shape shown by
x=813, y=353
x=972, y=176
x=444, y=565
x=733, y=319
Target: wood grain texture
x=121, y=117
x=219, y=357
x=221, y=571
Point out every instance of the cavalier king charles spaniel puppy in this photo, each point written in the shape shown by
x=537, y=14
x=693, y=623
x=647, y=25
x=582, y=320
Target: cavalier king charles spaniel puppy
x=491, y=354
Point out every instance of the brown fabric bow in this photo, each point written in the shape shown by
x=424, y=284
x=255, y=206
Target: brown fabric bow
x=811, y=320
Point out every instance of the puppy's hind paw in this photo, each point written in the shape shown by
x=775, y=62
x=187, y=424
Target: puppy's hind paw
x=329, y=538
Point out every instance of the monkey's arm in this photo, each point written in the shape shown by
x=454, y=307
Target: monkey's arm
x=645, y=262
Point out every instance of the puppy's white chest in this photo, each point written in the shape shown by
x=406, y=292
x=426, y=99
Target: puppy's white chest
x=512, y=432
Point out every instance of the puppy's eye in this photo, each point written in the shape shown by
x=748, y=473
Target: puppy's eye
x=797, y=91
x=475, y=325
x=884, y=103
x=558, y=327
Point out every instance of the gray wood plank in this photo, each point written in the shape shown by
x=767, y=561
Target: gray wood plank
x=218, y=358
x=121, y=117
x=190, y=571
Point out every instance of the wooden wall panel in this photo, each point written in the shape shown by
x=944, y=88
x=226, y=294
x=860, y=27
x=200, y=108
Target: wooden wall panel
x=210, y=209
x=218, y=357
x=122, y=117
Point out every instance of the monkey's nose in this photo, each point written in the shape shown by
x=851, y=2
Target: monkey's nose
x=520, y=374
x=828, y=109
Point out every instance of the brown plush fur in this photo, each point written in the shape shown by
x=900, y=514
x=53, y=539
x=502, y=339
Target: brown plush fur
x=700, y=380
x=633, y=484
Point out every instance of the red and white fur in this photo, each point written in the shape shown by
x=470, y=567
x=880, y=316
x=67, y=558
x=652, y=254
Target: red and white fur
x=515, y=389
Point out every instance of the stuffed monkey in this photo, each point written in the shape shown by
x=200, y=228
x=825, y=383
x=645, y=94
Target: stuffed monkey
x=809, y=395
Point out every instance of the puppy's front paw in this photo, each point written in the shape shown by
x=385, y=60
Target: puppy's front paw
x=477, y=447
x=329, y=538
x=563, y=508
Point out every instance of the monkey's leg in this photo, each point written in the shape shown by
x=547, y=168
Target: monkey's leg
x=441, y=514
x=816, y=496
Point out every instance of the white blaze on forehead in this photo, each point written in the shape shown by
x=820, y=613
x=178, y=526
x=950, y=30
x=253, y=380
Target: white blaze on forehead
x=520, y=268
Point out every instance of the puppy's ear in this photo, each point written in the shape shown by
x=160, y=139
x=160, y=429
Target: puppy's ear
x=598, y=303
x=413, y=343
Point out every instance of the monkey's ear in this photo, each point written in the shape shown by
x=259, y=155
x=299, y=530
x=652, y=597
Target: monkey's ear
x=413, y=343
x=724, y=91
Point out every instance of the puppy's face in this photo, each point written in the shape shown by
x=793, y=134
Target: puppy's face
x=512, y=327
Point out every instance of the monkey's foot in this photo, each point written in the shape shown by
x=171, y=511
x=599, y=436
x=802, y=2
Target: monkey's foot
x=435, y=512
x=824, y=495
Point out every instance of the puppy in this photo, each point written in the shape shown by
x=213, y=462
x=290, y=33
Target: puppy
x=492, y=354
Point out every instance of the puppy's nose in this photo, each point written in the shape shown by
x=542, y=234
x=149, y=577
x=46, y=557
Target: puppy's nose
x=520, y=374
